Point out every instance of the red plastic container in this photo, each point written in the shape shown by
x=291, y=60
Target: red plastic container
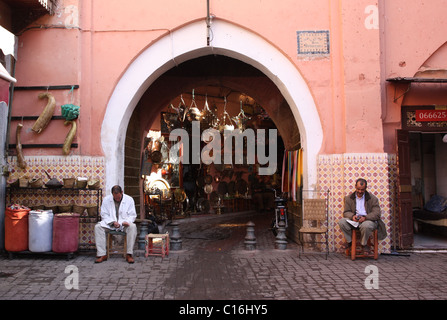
x=65, y=232
x=16, y=229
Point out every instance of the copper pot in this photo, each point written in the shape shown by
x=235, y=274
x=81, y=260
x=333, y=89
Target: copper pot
x=149, y=146
x=156, y=155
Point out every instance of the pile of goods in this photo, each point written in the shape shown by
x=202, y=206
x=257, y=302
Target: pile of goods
x=53, y=183
x=17, y=207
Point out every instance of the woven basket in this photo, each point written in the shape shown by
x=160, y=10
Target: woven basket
x=81, y=183
x=13, y=182
x=92, y=210
x=23, y=182
x=64, y=208
x=36, y=183
x=78, y=209
x=53, y=208
x=93, y=184
x=69, y=182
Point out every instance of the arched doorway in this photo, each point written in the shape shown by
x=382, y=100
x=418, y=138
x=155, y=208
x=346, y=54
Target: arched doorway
x=230, y=41
x=220, y=82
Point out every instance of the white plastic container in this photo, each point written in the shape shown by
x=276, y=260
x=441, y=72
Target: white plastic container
x=40, y=230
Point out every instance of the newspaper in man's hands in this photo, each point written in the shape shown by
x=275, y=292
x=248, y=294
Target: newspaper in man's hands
x=355, y=224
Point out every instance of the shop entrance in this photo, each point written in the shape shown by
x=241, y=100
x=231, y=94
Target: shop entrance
x=422, y=154
x=272, y=81
x=208, y=94
x=428, y=155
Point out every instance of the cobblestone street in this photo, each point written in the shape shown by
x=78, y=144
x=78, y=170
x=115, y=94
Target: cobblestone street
x=214, y=265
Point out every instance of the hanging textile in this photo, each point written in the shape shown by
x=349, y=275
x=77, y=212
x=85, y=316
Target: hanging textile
x=300, y=168
x=283, y=177
x=292, y=173
x=293, y=169
x=290, y=168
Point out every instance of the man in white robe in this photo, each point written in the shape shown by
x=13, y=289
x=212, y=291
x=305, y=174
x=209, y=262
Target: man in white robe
x=117, y=213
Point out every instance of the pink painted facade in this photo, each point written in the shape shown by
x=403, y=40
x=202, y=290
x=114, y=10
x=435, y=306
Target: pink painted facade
x=345, y=109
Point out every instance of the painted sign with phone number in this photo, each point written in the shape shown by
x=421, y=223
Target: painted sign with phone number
x=431, y=115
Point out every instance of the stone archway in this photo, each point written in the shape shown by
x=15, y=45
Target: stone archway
x=228, y=40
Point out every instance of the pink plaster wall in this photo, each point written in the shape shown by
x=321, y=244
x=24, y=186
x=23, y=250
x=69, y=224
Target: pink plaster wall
x=354, y=103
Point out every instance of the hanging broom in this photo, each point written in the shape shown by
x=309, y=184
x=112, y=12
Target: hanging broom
x=69, y=139
x=45, y=117
x=20, y=158
x=70, y=112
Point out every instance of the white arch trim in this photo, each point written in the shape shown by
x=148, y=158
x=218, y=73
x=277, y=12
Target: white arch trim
x=187, y=43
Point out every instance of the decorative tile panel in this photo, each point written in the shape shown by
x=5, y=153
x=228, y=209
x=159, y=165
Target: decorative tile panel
x=338, y=173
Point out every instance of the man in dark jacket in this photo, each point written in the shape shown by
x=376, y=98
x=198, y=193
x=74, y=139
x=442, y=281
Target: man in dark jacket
x=361, y=210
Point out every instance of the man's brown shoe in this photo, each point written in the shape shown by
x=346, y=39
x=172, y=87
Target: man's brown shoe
x=346, y=245
x=101, y=259
x=129, y=258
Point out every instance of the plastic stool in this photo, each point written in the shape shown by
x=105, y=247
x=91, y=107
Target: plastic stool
x=153, y=249
x=110, y=234
x=356, y=250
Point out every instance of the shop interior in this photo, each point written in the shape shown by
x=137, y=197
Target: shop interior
x=223, y=93
x=428, y=156
x=175, y=188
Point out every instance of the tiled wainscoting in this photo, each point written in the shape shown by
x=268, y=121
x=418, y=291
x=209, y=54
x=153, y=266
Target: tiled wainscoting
x=338, y=173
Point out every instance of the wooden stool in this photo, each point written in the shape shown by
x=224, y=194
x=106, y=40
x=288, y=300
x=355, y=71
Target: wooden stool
x=356, y=250
x=110, y=234
x=153, y=249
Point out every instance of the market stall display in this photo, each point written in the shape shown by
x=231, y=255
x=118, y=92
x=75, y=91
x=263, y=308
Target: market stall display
x=226, y=180
x=83, y=202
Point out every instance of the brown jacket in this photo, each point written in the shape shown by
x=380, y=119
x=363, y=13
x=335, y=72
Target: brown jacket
x=372, y=208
